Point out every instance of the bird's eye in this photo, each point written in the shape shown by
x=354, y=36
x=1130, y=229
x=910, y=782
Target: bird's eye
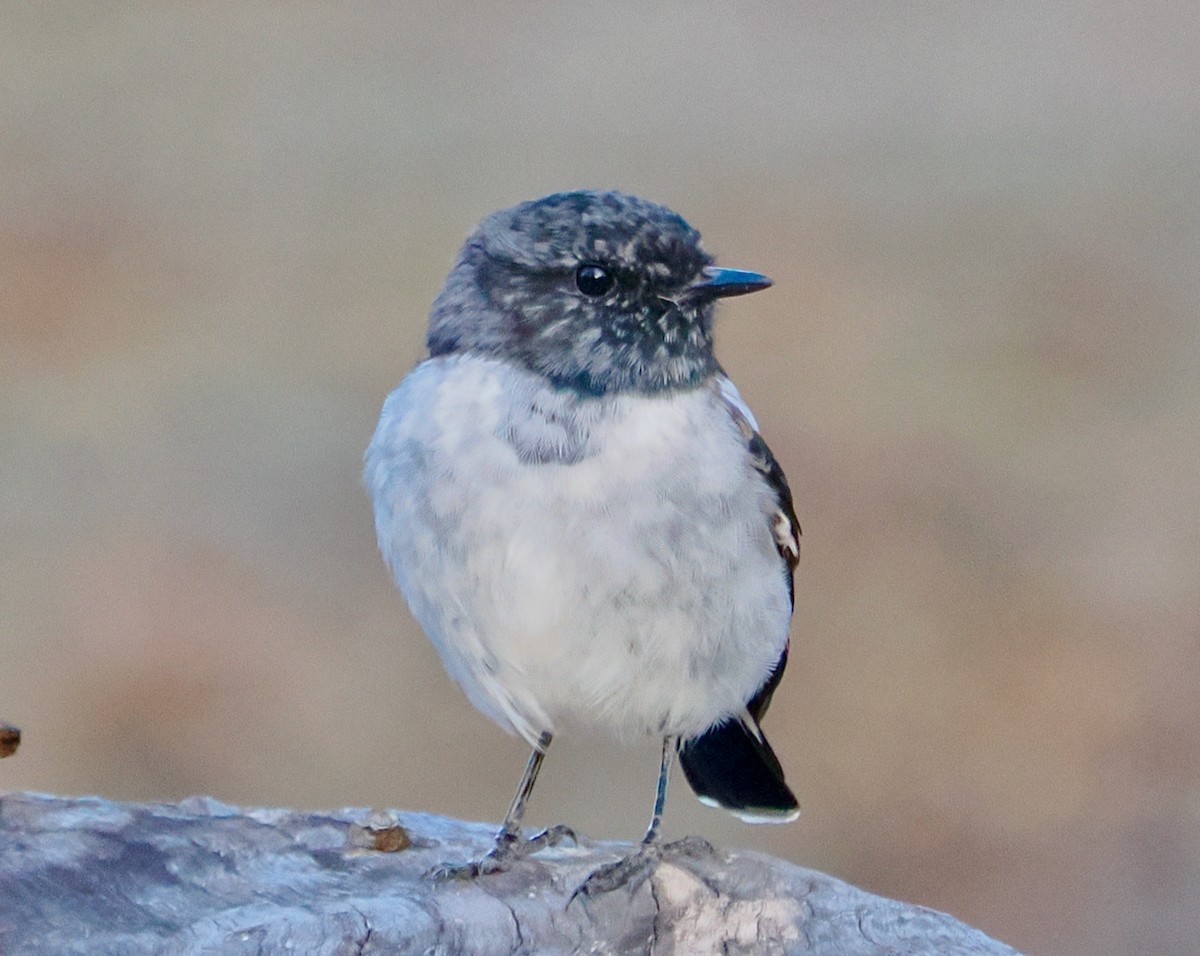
x=593, y=280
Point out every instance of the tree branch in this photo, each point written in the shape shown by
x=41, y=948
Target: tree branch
x=93, y=876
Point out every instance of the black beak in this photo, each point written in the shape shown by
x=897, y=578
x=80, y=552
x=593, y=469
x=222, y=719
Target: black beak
x=719, y=283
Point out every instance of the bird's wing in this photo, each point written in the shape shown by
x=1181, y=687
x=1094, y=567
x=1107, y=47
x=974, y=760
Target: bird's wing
x=731, y=764
x=785, y=527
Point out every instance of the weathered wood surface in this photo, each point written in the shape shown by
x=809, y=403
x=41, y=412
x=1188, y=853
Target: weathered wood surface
x=97, y=877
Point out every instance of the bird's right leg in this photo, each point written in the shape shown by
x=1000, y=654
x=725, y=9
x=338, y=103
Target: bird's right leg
x=510, y=845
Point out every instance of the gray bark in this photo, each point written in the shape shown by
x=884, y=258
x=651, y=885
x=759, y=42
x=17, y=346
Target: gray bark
x=93, y=876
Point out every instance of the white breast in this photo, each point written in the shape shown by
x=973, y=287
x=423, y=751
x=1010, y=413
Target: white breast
x=601, y=562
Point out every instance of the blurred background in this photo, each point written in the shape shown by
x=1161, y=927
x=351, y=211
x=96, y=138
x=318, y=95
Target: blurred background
x=221, y=226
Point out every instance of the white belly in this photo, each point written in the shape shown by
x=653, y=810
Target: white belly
x=633, y=586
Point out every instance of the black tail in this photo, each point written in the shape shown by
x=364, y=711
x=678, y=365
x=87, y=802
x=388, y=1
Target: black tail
x=731, y=765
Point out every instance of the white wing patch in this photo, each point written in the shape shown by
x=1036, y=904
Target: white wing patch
x=784, y=530
x=785, y=537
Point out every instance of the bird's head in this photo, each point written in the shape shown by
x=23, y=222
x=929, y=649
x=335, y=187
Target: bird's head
x=597, y=291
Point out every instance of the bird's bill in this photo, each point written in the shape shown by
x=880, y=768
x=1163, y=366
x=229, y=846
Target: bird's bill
x=719, y=283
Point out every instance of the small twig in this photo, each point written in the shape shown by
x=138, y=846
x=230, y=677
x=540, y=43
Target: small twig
x=10, y=739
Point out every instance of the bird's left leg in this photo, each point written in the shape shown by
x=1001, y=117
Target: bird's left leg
x=634, y=868
x=510, y=846
x=670, y=745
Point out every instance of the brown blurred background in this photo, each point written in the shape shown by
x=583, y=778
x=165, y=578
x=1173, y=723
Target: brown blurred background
x=220, y=229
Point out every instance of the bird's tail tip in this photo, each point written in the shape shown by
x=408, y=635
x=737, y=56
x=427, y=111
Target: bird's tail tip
x=733, y=767
x=756, y=814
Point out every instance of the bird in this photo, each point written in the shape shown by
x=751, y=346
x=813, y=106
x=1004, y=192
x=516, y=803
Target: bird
x=580, y=512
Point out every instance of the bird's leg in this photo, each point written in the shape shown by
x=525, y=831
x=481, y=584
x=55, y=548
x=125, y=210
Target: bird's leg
x=633, y=869
x=509, y=843
x=510, y=830
x=510, y=846
x=670, y=745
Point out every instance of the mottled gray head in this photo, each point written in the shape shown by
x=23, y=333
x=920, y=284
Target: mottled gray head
x=597, y=291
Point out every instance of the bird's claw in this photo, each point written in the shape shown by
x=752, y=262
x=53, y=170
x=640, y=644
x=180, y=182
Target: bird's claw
x=510, y=848
x=632, y=870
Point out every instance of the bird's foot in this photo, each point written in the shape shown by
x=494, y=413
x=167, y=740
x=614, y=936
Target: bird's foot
x=633, y=870
x=510, y=848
